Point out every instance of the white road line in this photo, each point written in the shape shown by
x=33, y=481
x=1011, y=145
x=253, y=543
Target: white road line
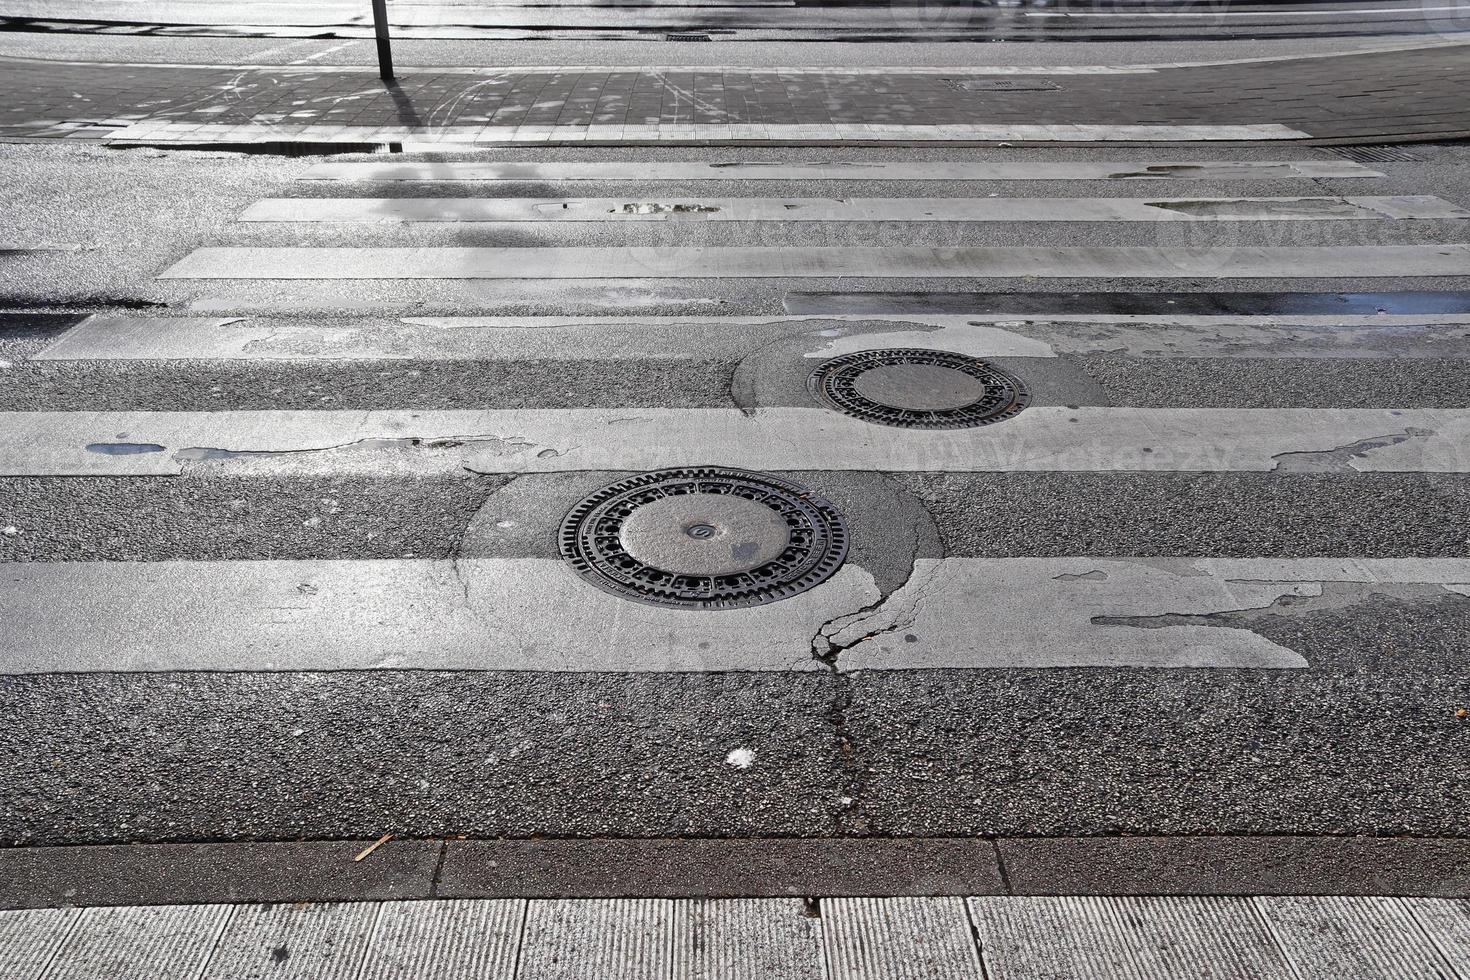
x=535, y=614
x=852, y=170
x=107, y=337
x=104, y=337
x=1041, y=438
x=654, y=208
x=939, y=605
x=651, y=207
x=874, y=262
x=161, y=129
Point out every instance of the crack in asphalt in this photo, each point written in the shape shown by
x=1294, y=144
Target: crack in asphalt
x=826, y=650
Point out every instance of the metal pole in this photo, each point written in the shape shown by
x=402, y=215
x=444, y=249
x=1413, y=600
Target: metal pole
x=385, y=48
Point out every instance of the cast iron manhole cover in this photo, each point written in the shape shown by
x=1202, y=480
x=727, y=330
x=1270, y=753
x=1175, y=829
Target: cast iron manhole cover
x=704, y=538
x=1376, y=154
x=915, y=388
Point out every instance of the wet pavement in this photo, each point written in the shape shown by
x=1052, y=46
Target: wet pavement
x=1241, y=595
x=1399, y=95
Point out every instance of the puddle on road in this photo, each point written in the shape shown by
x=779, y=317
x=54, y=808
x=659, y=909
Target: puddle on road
x=124, y=448
x=664, y=209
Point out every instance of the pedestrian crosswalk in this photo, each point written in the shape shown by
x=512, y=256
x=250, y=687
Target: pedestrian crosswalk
x=1314, y=399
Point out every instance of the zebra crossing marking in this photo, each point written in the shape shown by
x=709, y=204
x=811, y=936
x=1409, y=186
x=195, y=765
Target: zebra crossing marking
x=876, y=262
x=1041, y=438
x=651, y=207
x=652, y=170
x=110, y=337
x=534, y=614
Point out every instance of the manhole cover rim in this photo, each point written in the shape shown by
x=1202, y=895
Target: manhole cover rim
x=833, y=383
x=588, y=542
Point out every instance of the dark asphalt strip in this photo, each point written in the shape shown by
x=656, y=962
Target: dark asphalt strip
x=778, y=380
x=1366, y=741
x=215, y=516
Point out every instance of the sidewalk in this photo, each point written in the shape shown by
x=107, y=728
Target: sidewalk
x=1271, y=938
x=1389, y=96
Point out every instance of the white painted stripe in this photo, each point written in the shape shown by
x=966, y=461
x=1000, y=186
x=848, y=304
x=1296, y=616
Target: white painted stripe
x=453, y=615
x=109, y=337
x=160, y=129
x=1041, y=438
x=470, y=614
x=105, y=337
x=1226, y=261
x=844, y=170
x=966, y=612
x=400, y=210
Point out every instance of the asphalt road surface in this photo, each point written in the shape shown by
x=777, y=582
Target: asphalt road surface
x=288, y=447
x=755, y=20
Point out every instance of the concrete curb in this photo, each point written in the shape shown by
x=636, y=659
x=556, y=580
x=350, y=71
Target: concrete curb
x=308, y=871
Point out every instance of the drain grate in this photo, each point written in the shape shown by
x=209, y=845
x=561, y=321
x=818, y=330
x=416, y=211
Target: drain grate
x=1377, y=154
x=913, y=388
x=688, y=36
x=704, y=538
x=1003, y=84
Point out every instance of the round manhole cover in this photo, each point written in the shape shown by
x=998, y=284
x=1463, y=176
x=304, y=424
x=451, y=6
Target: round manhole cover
x=704, y=538
x=914, y=388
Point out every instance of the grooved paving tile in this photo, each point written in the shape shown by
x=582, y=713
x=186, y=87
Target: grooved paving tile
x=596, y=939
x=28, y=940
x=445, y=940
x=293, y=942
x=1365, y=938
x=1082, y=938
x=746, y=939
x=169, y=942
x=1447, y=923
x=899, y=939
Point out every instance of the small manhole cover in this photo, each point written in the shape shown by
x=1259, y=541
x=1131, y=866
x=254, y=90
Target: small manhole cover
x=1377, y=154
x=704, y=538
x=913, y=388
